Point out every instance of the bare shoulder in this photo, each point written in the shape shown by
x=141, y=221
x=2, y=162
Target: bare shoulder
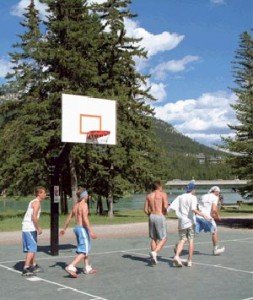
x=150, y=195
x=36, y=203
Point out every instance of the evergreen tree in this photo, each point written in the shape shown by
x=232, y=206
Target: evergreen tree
x=21, y=146
x=131, y=158
x=242, y=144
x=70, y=56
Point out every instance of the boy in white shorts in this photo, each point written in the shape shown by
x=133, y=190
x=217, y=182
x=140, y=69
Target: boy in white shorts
x=185, y=206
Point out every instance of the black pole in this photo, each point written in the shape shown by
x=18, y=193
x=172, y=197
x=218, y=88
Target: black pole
x=54, y=217
x=54, y=171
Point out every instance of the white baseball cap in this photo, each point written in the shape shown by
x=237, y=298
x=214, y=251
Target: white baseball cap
x=214, y=189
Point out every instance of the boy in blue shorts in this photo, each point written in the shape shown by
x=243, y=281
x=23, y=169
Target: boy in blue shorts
x=30, y=230
x=83, y=232
x=208, y=204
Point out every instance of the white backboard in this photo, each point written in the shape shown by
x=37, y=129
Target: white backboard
x=81, y=114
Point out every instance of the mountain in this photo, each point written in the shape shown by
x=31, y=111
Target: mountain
x=176, y=142
x=183, y=158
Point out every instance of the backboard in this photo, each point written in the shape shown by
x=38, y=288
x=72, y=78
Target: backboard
x=81, y=115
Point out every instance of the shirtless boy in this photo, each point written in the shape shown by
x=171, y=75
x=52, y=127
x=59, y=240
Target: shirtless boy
x=83, y=232
x=155, y=207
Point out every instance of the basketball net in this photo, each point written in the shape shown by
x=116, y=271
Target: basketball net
x=98, y=138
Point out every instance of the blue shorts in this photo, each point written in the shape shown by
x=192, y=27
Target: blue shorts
x=83, y=240
x=203, y=224
x=29, y=241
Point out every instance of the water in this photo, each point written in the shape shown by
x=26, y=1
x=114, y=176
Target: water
x=133, y=202
x=137, y=201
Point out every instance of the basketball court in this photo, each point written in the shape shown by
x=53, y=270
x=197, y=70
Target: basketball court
x=124, y=270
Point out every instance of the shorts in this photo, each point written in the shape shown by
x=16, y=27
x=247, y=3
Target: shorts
x=29, y=241
x=187, y=233
x=83, y=240
x=207, y=226
x=157, y=227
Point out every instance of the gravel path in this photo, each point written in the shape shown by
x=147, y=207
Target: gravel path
x=102, y=231
x=124, y=230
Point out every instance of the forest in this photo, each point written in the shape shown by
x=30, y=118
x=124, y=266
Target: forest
x=83, y=49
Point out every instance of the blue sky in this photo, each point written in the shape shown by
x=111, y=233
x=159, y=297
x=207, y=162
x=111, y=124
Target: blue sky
x=190, y=45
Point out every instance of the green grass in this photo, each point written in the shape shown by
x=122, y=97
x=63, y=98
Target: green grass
x=11, y=220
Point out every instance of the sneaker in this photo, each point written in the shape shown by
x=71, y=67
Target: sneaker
x=71, y=271
x=37, y=269
x=89, y=271
x=27, y=272
x=218, y=251
x=189, y=263
x=177, y=262
x=153, y=256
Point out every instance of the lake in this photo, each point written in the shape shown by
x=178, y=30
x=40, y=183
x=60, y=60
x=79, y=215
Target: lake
x=133, y=202
x=137, y=201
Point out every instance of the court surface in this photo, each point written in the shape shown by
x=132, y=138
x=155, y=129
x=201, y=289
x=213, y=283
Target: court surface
x=124, y=270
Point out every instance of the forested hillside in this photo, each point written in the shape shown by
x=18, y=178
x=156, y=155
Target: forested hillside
x=176, y=142
x=181, y=156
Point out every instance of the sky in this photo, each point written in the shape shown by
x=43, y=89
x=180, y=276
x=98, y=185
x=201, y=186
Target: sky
x=190, y=48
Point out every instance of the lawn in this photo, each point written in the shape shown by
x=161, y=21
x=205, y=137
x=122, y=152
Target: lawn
x=11, y=220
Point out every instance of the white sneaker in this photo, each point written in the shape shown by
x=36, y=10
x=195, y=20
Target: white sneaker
x=189, y=263
x=218, y=251
x=89, y=270
x=177, y=262
x=153, y=256
x=71, y=270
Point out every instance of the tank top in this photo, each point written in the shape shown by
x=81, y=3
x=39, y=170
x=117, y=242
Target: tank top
x=27, y=224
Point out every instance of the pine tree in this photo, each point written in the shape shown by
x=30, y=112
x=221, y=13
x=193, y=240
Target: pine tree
x=70, y=55
x=242, y=144
x=21, y=145
x=132, y=156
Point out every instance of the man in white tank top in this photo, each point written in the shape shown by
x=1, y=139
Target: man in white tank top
x=30, y=229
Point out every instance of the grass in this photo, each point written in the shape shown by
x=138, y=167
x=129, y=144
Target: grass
x=12, y=220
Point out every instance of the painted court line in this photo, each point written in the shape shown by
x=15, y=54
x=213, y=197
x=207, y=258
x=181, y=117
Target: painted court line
x=126, y=250
x=195, y=263
x=62, y=286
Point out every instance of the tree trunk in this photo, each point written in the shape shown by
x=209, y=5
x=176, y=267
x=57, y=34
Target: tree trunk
x=73, y=178
x=100, y=209
x=64, y=202
x=110, y=204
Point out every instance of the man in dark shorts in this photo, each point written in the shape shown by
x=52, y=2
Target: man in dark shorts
x=155, y=207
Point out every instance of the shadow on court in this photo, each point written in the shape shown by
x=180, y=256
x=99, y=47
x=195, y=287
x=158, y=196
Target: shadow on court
x=125, y=271
x=47, y=249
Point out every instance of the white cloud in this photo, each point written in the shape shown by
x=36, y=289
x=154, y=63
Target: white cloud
x=153, y=43
x=159, y=72
x=158, y=90
x=5, y=67
x=204, y=119
x=19, y=9
x=218, y=2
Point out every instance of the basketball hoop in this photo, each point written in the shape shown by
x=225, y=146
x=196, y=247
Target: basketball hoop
x=98, y=138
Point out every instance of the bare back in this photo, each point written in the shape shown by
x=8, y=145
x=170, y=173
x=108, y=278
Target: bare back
x=156, y=203
x=80, y=211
